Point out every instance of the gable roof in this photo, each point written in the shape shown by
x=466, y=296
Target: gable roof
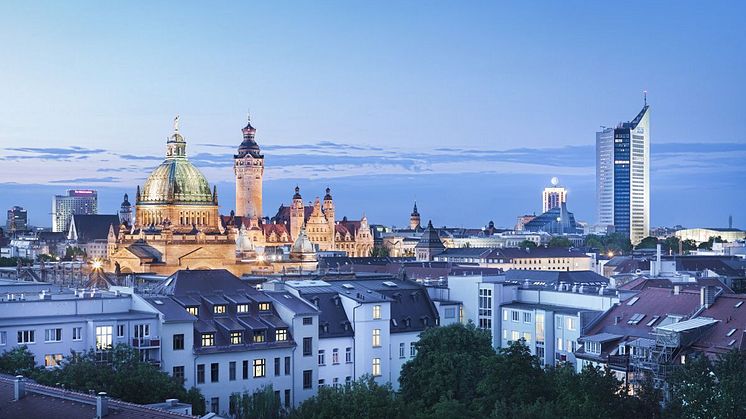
x=87, y=228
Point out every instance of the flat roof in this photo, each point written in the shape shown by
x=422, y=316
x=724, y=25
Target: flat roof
x=685, y=325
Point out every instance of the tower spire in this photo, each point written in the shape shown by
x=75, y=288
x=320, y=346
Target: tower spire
x=176, y=124
x=645, y=97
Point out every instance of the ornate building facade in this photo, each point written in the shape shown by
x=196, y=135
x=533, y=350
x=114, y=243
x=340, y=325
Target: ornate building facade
x=177, y=224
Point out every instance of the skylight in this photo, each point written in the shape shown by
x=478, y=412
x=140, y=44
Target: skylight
x=389, y=284
x=348, y=286
x=159, y=302
x=632, y=300
x=730, y=332
x=636, y=318
x=738, y=304
x=653, y=320
x=731, y=342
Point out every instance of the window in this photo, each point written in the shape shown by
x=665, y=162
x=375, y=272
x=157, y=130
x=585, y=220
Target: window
x=322, y=357
x=264, y=307
x=527, y=317
x=260, y=366
x=120, y=330
x=242, y=308
x=215, y=405
x=287, y=365
x=208, y=339
x=281, y=335
x=450, y=313
x=53, y=335
x=505, y=334
x=246, y=370
x=348, y=355
x=335, y=356
x=307, y=321
x=218, y=309
x=593, y=347
x=178, y=373
x=307, y=346
x=307, y=379
x=194, y=311
x=214, y=372
x=103, y=337
x=527, y=337
x=321, y=383
x=141, y=330
x=178, y=342
x=52, y=360
x=232, y=371
x=376, y=367
x=636, y=318
x=515, y=316
x=287, y=397
x=559, y=322
x=401, y=350
x=559, y=344
x=77, y=333
x=412, y=350
x=277, y=367
x=200, y=373
x=258, y=336
x=376, y=338
x=376, y=312
x=571, y=345
x=236, y=338
x=505, y=315
x=514, y=335
x=540, y=328
x=3, y=338
x=485, y=309
x=336, y=382
x=348, y=379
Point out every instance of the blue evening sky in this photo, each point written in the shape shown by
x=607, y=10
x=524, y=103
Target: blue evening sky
x=468, y=107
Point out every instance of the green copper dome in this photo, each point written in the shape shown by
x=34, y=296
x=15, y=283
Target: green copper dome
x=176, y=180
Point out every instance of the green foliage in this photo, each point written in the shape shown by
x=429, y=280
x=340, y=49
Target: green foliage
x=120, y=373
x=618, y=243
x=558, y=241
x=362, y=399
x=13, y=262
x=708, y=244
x=74, y=252
x=649, y=242
x=448, y=366
x=527, y=244
x=379, y=251
x=18, y=361
x=44, y=257
x=261, y=404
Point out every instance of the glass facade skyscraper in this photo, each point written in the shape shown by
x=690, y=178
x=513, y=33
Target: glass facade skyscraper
x=623, y=176
x=76, y=202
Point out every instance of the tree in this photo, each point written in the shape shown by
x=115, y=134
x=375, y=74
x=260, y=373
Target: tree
x=362, y=399
x=447, y=368
x=527, y=244
x=649, y=242
x=692, y=390
x=261, y=404
x=558, y=241
x=379, y=251
x=18, y=361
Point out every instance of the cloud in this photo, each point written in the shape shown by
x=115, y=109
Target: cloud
x=107, y=179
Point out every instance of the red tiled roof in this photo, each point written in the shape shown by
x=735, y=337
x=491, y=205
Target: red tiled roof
x=731, y=318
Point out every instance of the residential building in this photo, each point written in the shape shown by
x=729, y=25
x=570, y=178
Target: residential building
x=538, y=259
x=623, y=176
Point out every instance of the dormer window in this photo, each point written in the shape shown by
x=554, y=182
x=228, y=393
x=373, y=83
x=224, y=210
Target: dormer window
x=259, y=336
x=281, y=335
x=236, y=338
x=593, y=347
x=242, y=308
x=194, y=311
x=218, y=309
x=264, y=307
x=208, y=339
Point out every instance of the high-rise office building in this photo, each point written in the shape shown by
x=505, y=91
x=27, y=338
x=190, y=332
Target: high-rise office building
x=17, y=220
x=76, y=202
x=553, y=196
x=623, y=176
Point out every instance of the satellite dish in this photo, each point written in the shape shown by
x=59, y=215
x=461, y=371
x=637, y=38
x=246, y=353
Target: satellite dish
x=555, y=181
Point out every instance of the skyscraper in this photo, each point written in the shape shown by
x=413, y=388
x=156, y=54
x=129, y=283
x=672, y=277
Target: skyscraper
x=553, y=196
x=17, y=220
x=76, y=202
x=623, y=176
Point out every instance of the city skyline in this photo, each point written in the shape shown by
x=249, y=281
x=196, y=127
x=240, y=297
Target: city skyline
x=372, y=117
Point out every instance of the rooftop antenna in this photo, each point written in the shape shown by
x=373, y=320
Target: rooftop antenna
x=645, y=97
x=248, y=114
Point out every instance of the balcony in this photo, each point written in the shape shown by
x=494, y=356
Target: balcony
x=619, y=362
x=146, y=343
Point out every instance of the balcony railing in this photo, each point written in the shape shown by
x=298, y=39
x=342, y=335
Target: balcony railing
x=146, y=343
x=619, y=362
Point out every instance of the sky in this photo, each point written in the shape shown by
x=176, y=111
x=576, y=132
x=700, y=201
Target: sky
x=469, y=108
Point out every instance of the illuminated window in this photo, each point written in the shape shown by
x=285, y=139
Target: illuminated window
x=236, y=338
x=376, y=338
x=194, y=311
x=242, y=308
x=281, y=335
x=219, y=309
x=258, y=336
x=571, y=323
x=104, y=337
x=52, y=360
x=376, y=312
x=514, y=335
x=260, y=366
x=376, y=367
x=264, y=306
x=208, y=339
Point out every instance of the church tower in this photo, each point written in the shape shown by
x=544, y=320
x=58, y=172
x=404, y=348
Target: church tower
x=414, y=219
x=329, y=214
x=297, y=215
x=125, y=211
x=248, y=166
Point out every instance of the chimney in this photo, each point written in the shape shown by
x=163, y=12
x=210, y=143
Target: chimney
x=676, y=289
x=658, y=266
x=102, y=405
x=707, y=296
x=19, y=388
